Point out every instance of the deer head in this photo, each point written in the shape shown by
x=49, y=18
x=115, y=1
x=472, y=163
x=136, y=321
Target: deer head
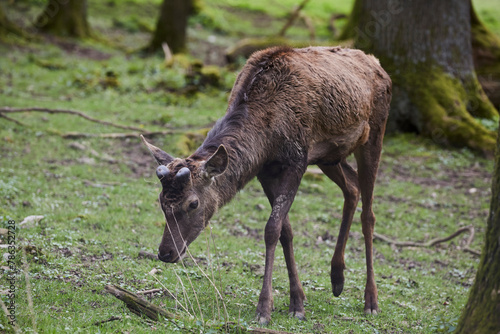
x=188, y=197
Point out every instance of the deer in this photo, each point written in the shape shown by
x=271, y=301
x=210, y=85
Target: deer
x=288, y=109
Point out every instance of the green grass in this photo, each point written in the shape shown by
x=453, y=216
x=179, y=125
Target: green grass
x=100, y=214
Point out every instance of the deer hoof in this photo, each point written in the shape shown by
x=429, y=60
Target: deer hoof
x=298, y=315
x=371, y=311
x=337, y=289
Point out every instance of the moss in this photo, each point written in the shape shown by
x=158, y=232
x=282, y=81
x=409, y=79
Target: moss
x=444, y=106
x=210, y=76
x=190, y=141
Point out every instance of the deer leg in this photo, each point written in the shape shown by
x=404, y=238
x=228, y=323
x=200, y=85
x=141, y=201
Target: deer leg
x=297, y=295
x=368, y=157
x=280, y=189
x=347, y=179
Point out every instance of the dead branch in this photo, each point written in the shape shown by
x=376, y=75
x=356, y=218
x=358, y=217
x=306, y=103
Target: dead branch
x=97, y=323
x=12, y=119
x=310, y=26
x=76, y=135
x=4, y=110
x=138, y=305
x=293, y=16
x=433, y=242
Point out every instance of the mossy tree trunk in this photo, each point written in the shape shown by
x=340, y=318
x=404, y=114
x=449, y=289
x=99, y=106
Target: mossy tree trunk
x=171, y=27
x=481, y=314
x=486, y=55
x=65, y=18
x=426, y=48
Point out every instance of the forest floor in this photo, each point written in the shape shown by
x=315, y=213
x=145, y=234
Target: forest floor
x=98, y=195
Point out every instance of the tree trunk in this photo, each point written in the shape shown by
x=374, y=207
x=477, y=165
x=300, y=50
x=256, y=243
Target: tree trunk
x=171, y=26
x=65, y=18
x=429, y=57
x=481, y=315
x=486, y=55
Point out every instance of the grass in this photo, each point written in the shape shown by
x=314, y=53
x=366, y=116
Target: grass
x=100, y=214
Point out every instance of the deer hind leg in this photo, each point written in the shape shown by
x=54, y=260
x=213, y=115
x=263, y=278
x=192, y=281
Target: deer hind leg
x=347, y=179
x=368, y=157
x=280, y=189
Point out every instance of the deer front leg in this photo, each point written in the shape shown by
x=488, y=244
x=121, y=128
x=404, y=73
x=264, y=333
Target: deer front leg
x=280, y=189
x=297, y=296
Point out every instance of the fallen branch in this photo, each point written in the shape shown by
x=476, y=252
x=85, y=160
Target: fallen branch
x=293, y=16
x=4, y=110
x=433, y=242
x=76, y=135
x=138, y=305
x=12, y=119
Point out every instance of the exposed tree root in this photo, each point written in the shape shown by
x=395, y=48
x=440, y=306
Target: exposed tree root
x=433, y=242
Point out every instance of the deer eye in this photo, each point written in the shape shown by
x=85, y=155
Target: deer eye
x=193, y=205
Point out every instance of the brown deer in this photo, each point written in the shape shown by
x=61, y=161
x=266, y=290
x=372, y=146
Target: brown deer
x=288, y=109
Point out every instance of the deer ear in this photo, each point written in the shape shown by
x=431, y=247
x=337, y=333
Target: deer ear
x=218, y=162
x=161, y=157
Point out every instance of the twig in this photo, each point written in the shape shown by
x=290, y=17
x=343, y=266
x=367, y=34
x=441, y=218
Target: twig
x=113, y=318
x=4, y=110
x=433, y=242
x=310, y=26
x=149, y=292
x=76, y=135
x=12, y=119
x=293, y=16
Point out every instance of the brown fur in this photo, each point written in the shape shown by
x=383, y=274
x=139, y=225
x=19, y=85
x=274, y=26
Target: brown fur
x=289, y=108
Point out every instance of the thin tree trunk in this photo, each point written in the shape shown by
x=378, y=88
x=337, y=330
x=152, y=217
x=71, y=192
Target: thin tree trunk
x=65, y=18
x=429, y=56
x=481, y=315
x=171, y=26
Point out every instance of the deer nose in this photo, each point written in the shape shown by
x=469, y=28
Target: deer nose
x=165, y=257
